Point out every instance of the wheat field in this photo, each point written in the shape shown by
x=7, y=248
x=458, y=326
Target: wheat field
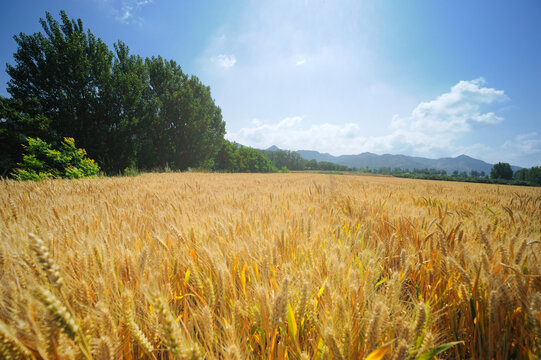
x=269, y=266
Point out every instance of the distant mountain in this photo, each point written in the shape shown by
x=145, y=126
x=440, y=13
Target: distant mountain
x=373, y=161
x=315, y=155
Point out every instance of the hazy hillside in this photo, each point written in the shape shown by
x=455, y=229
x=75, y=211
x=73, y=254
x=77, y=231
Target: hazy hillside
x=374, y=161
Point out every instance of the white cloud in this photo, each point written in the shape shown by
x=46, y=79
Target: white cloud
x=291, y=133
x=126, y=15
x=524, y=144
x=433, y=128
x=301, y=61
x=455, y=111
x=126, y=11
x=224, y=60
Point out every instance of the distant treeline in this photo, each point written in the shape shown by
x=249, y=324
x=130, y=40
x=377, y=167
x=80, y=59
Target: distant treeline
x=484, y=180
x=293, y=161
x=233, y=157
x=424, y=171
x=525, y=177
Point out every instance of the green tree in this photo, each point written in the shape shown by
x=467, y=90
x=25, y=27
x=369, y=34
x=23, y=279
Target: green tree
x=128, y=106
x=185, y=127
x=125, y=110
x=41, y=161
x=250, y=160
x=62, y=73
x=234, y=158
x=312, y=164
x=501, y=171
x=227, y=158
x=533, y=175
x=280, y=158
x=520, y=175
x=15, y=126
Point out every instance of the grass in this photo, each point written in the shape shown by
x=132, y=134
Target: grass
x=297, y=266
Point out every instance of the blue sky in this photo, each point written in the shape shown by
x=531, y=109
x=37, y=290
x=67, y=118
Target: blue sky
x=425, y=78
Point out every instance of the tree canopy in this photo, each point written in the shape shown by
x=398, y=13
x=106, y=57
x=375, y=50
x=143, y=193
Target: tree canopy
x=530, y=176
x=501, y=171
x=285, y=158
x=126, y=111
x=235, y=158
x=15, y=126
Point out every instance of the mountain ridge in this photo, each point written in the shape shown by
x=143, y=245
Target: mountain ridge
x=374, y=161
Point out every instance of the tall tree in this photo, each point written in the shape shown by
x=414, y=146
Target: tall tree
x=125, y=111
x=501, y=171
x=61, y=73
x=127, y=103
x=227, y=157
x=520, y=174
x=534, y=175
x=186, y=127
x=15, y=126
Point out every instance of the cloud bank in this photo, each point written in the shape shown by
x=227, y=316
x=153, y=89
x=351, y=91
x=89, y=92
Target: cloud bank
x=434, y=128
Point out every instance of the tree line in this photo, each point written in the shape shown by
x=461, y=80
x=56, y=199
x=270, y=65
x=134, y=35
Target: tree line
x=501, y=173
x=125, y=110
x=233, y=157
x=291, y=160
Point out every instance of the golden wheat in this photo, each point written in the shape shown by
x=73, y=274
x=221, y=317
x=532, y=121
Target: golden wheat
x=268, y=266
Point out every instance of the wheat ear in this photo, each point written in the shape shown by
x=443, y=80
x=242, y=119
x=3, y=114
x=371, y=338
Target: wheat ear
x=60, y=313
x=134, y=329
x=46, y=261
x=11, y=347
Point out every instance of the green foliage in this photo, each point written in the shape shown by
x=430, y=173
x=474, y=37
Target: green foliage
x=520, y=180
x=293, y=161
x=122, y=108
x=41, y=161
x=234, y=158
x=285, y=158
x=64, y=73
x=534, y=175
x=185, y=128
x=131, y=171
x=167, y=168
x=250, y=160
x=530, y=176
x=15, y=125
x=501, y=171
x=430, y=354
x=227, y=157
x=329, y=166
x=520, y=174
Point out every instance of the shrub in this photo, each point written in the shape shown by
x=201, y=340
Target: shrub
x=131, y=170
x=41, y=161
